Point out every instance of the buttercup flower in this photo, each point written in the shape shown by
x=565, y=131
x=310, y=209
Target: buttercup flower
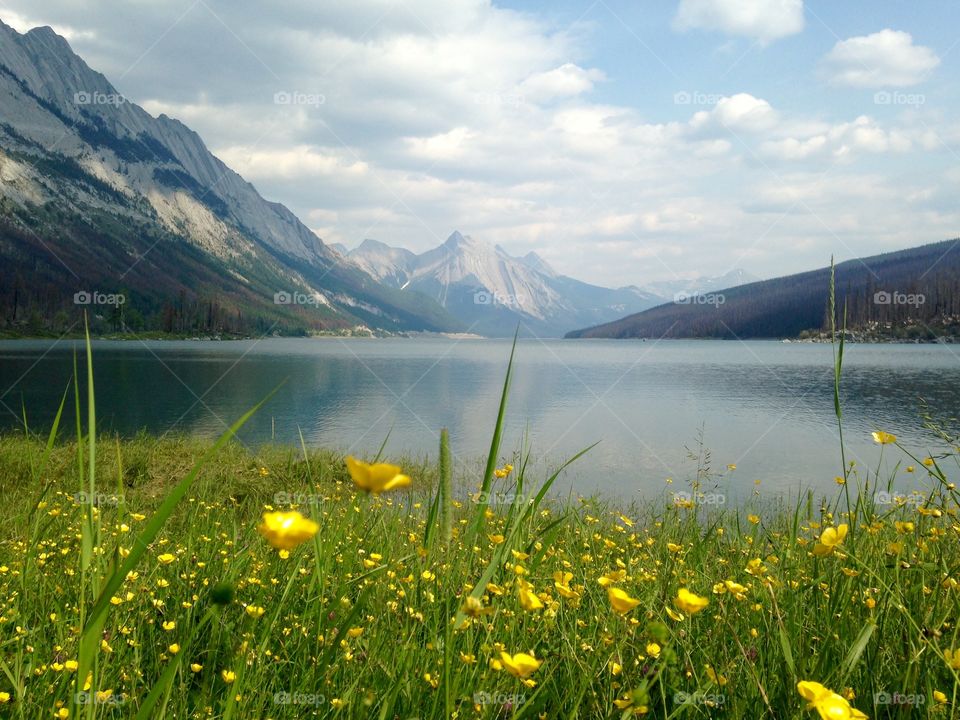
x=287, y=530
x=474, y=607
x=528, y=598
x=561, y=581
x=884, y=438
x=829, y=704
x=620, y=601
x=953, y=658
x=689, y=602
x=636, y=701
x=612, y=577
x=673, y=614
x=830, y=538
x=520, y=665
x=376, y=478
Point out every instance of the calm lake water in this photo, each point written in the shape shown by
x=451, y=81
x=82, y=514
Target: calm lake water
x=764, y=406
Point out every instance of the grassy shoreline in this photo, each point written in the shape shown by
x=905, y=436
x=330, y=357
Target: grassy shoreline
x=181, y=578
x=357, y=623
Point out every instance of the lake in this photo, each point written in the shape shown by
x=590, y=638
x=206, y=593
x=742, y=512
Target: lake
x=766, y=407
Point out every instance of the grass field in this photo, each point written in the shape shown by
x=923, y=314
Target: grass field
x=141, y=578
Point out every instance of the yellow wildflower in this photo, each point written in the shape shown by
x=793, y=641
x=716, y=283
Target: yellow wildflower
x=287, y=530
x=528, y=598
x=620, y=601
x=376, y=478
x=829, y=704
x=689, y=602
x=830, y=538
x=953, y=658
x=520, y=665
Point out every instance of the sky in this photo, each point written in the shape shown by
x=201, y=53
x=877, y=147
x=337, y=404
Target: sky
x=625, y=142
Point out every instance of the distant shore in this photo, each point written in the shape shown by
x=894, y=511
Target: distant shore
x=850, y=337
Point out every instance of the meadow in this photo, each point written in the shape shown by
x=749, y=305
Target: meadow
x=179, y=578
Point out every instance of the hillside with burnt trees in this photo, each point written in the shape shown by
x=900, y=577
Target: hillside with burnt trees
x=910, y=294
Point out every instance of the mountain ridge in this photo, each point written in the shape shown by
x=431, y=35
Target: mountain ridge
x=86, y=174
x=493, y=292
x=910, y=294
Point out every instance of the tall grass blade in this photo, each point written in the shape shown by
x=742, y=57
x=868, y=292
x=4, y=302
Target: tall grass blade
x=159, y=518
x=856, y=650
x=383, y=446
x=446, y=487
x=33, y=519
x=494, y=444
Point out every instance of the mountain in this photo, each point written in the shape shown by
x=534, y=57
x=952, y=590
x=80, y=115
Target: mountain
x=490, y=291
x=389, y=265
x=913, y=294
x=98, y=196
x=699, y=285
x=535, y=262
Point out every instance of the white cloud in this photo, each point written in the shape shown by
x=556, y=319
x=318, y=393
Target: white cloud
x=794, y=149
x=616, y=224
x=444, y=146
x=288, y=163
x=441, y=115
x=740, y=112
x=865, y=135
x=565, y=81
x=24, y=23
x=843, y=141
x=884, y=59
x=763, y=20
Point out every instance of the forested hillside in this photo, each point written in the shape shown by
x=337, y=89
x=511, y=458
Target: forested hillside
x=910, y=294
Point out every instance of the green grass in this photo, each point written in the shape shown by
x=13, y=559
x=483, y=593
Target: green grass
x=800, y=619
x=113, y=551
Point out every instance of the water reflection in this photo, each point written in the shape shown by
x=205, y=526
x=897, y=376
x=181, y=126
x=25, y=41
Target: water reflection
x=765, y=406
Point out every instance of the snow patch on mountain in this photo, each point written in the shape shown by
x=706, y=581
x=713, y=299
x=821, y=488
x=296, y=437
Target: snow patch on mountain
x=491, y=290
